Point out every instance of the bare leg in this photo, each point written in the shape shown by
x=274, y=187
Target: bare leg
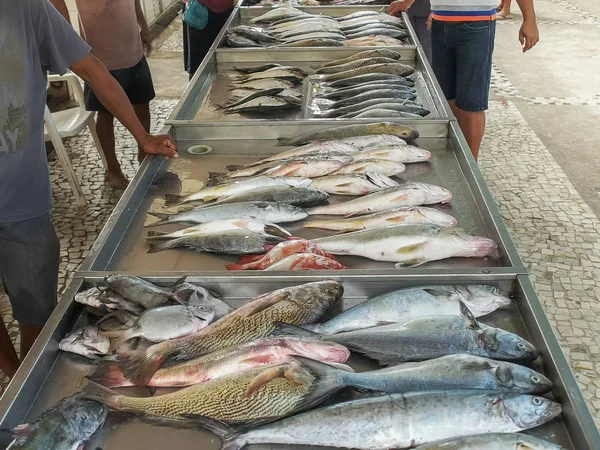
x=472, y=124
x=9, y=361
x=505, y=11
x=142, y=111
x=29, y=334
x=106, y=134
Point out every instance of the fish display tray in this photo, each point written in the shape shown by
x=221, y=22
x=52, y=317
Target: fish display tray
x=49, y=375
x=122, y=246
x=244, y=14
x=210, y=88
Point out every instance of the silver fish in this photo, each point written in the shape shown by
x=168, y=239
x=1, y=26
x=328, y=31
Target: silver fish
x=269, y=212
x=141, y=291
x=382, y=166
x=349, y=131
x=395, y=68
x=402, y=420
x=86, y=341
x=238, y=41
x=315, y=42
x=411, y=215
x=374, y=141
x=314, y=148
x=380, y=113
x=277, y=14
x=325, y=35
x=408, y=245
x=365, y=108
x=493, y=441
x=301, y=196
x=253, y=33
x=162, y=323
x=195, y=295
x=407, y=194
x=269, y=83
x=282, y=73
x=107, y=301
x=353, y=184
x=265, y=103
x=355, y=64
x=369, y=77
x=403, y=154
x=254, y=69
x=376, y=93
x=375, y=53
x=356, y=15
x=379, y=31
x=407, y=304
x=351, y=91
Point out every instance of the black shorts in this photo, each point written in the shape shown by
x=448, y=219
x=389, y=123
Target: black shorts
x=136, y=81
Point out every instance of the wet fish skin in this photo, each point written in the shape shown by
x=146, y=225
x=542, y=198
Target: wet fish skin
x=234, y=359
x=373, y=40
x=353, y=184
x=238, y=41
x=493, y=441
x=254, y=69
x=378, y=93
x=278, y=253
x=300, y=196
x=370, y=77
x=107, y=301
x=270, y=212
x=232, y=242
x=380, y=31
x=325, y=35
x=317, y=42
x=277, y=14
x=86, y=341
x=403, y=420
x=318, y=155
x=405, y=195
x=374, y=141
x=377, y=104
x=342, y=93
x=407, y=215
x=141, y=291
x=375, y=53
x=313, y=149
x=404, y=305
x=381, y=166
x=162, y=323
x=355, y=64
x=255, y=34
x=292, y=74
x=297, y=304
x=352, y=131
x=395, y=68
x=306, y=261
x=386, y=114
x=356, y=15
x=265, y=103
x=66, y=426
x=405, y=154
x=305, y=166
x=248, y=398
x=268, y=83
x=195, y=295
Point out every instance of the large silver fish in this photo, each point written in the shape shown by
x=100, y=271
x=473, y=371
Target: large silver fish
x=408, y=245
x=375, y=53
x=86, y=341
x=353, y=184
x=395, y=68
x=315, y=148
x=493, y=441
x=107, y=301
x=382, y=166
x=348, y=131
x=141, y=291
x=407, y=304
x=300, y=196
x=402, y=421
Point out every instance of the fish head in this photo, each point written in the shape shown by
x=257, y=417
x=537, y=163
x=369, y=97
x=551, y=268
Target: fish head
x=504, y=345
x=529, y=411
x=435, y=194
x=326, y=293
x=516, y=378
x=468, y=246
x=202, y=312
x=437, y=217
x=315, y=349
x=482, y=299
x=416, y=154
x=399, y=130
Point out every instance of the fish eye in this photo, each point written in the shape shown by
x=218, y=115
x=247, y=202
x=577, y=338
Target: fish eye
x=537, y=401
x=521, y=346
x=535, y=379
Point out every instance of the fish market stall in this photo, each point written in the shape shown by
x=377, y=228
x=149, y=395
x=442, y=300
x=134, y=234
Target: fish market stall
x=53, y=374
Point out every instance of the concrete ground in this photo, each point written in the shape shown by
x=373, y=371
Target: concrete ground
x=539, y=158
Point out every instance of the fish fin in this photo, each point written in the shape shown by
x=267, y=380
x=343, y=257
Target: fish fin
x=235, y=266
x=394, y=219
x=215, y=178
x=399, y=198
x=120, y=339
x=156, y=233
x=127, y=323
x=276, y=231
x=466, y=313
x=476, y=365
x=260, y=359
x=140, y=365
x=155, y=248
x=409, y=248
x=343, y=184
x=328, y=380
x=109, y=375
x=286, y=329
x=174, y=199
x=261, y=379
x=232, y=167
x=214, y=426
x=260, y=303
x=94, y=391
x=178, y=282
x=410, y=263
x=163, y=218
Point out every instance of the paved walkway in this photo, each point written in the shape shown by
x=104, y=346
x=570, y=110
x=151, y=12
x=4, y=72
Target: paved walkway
x=543, y=201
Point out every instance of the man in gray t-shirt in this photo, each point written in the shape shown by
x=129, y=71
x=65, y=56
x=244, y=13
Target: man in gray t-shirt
x=34, y=38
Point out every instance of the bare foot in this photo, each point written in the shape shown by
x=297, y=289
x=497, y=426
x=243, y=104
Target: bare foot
x=117, y=181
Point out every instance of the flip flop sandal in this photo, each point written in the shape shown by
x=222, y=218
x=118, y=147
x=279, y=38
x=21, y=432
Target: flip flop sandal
x=503, y=17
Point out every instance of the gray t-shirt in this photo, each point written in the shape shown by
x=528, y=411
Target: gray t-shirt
x=34, y=38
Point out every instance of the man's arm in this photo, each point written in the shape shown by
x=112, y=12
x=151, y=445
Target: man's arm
x=144, y=33
x=112, y=96
x=528, y=34
x=61, y=7
x=399, y=6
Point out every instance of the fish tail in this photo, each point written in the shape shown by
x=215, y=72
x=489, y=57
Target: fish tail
x=286, y=329
x=119, y=338
x=275, y=230
x=328, y=380
x=247, y=259
x=103, y=395
x=163, y=218
x=159, y=247
x=109, y=375
x=156, y=235
x=174, y=199
x=140, y=365
x=235, y=266
x=234, y=444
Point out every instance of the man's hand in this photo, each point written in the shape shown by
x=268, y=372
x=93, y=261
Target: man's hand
x=162, y=144
x=146, y=41
x=399, y=6
x=529, y=34
x=429, y=22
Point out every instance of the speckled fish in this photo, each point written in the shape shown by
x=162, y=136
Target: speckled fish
x=429, y=337
x=343, y=156
x=86, y=341
x=351, y=91
x=401, y=154
x=493, y=441
x=306, y=261
x=107, y=301
x=162, y=323
x=278, y=253
x=268, y=83
x=315, y=42
x=250, y=224
x=401, y=421
x=395, y=68
x=253, y=33
x=248, y=398
x=355, y=64
x=234, y=359
x=141, y=291
x=408, y=245
x=195, y=295
x=404, y=305
x=277, y=14
x=354, y=183
x=68, y=425
x=269, y=212
x=375, y=53
x=382, y=166
x=349, y=131
x=234, y=187
x=412, y=215
x=297, y=304
x=378, y=93
x=369, y=78
x=405, y=195
x=232, y=242
x=365, y=108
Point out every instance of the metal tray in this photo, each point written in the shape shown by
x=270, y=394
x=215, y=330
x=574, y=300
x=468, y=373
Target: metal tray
x=209, y=89
x=121, y=245
x=48, y=375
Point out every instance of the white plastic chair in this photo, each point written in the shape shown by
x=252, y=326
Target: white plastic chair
x=68, y=123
